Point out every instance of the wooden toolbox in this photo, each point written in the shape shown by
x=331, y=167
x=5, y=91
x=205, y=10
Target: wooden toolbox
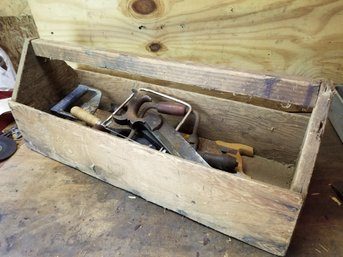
x=261, y=211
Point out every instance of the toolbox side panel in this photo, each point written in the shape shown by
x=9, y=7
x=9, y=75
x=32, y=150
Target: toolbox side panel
x=42, y=82
x=312, y=139
x=256, y=213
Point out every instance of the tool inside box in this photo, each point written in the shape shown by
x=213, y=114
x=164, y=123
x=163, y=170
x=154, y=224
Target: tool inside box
x=276, y=136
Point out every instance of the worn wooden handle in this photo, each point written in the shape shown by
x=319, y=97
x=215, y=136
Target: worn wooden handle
x=85, y=116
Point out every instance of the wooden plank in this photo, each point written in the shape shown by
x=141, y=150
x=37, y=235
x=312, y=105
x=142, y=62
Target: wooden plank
x=278, y=135
x=296, y=91
x=45, y=82
x=50, y=209
x=13, y=31
x=336, y=111
x=301, y=37
x=216, y=199
x=311, y=143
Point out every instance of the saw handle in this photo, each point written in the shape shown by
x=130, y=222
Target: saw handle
x=85, y=116
x=220, y=161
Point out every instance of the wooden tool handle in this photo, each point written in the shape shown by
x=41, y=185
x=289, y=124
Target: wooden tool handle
x=85, y=116
x=171, y=108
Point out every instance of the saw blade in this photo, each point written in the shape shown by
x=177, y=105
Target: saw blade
x=7, y=147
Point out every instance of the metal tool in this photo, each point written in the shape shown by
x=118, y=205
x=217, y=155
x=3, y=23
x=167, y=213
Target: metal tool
x=220, y=161
x=189, y=107
x=188, y=112
x=165, y=134
x=90, y=105
x=236, y=150
x=193, y=138
x=231, y=159
x=98, y=124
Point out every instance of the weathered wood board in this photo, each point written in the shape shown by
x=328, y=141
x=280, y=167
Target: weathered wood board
x=54, y=79
x=312, y=140
x=287, y=90
x=50, y=209
x=187, y=188
x=284, y=36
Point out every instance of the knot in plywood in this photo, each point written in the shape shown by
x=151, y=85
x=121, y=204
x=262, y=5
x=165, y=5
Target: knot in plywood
x=144, y=9
x=156, y=47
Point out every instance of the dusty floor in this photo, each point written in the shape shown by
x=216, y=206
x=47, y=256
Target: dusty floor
x=48, y=209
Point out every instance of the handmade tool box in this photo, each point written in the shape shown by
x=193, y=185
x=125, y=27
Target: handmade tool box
x=261, y=211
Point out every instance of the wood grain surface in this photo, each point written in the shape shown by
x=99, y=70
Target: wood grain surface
x=49, y=209
x=295, y=37
x=41, y=83
x=287, y=90
x=14, y=8
x=312, y=140
x=216, y=199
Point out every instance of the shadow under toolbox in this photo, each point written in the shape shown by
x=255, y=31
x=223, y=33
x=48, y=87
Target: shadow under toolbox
x=260, y=209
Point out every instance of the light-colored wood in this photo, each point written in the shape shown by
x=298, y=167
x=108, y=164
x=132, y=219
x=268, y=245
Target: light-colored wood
x=85, y=116
x=217, y=199
x=336, y=111
x=311, y=143
x=295, y=91
x=296, y=37
x=46, y=82
x=273, y=134
x=14, y=8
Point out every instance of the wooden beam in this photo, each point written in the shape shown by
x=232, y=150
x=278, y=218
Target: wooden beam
x=311, y=143
x=256, y=213
x=295, y=91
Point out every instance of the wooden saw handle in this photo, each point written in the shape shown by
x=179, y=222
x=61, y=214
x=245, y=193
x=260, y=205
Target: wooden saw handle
x=85, y=116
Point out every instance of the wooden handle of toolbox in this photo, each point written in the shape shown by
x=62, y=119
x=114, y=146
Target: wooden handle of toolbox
x=85, y=116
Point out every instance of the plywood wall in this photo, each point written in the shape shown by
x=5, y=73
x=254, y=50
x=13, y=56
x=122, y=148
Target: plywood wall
x=297, y=37
x=14, y=8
